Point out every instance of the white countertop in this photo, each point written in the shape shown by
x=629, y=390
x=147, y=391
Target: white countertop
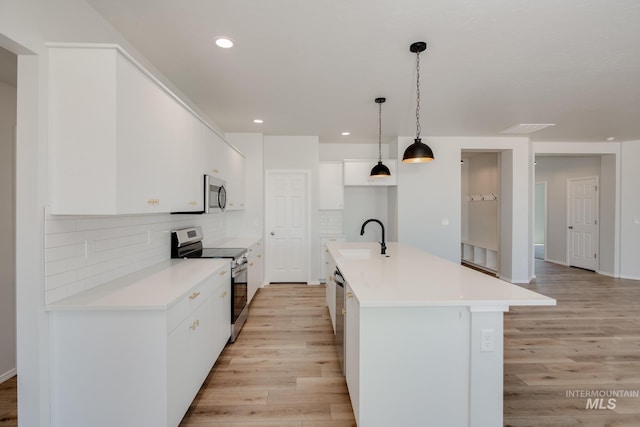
x=153, y=288
x=410, y=277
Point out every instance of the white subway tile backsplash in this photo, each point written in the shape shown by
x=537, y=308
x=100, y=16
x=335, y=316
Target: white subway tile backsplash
x=330, y=221
x=85, y=252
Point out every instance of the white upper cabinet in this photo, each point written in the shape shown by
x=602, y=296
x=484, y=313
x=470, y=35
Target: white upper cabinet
x=331, y=186
x=235, y=180
x=357, y=172
x=120, y=142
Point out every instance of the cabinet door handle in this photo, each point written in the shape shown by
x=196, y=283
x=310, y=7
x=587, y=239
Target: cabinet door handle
x=250, y=264
x=344, y=311
x=224, y=294
x=222, y=273
x=349, y=295
x=215, y=170
x=194, y=295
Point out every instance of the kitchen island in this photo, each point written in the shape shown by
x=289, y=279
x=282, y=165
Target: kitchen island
x=423, y=337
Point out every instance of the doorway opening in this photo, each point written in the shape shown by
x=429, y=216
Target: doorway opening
x=480, y=216
x=579, y=200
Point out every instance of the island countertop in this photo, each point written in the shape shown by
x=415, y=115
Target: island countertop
x=409, y=277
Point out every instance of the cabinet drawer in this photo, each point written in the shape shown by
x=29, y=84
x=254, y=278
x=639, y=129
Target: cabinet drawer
x=196, y=296
x=255, y=251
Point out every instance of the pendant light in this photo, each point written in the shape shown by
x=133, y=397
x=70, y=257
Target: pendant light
x=418, y=152
x=380, y=170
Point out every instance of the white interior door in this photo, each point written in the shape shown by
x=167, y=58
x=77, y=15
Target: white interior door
x=583, y=223
x=288, y=226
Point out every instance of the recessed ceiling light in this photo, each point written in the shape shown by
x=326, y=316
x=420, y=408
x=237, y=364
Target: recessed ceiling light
x=224, y=42
x=258, y=121
x=611, y=138
x=527, y=128
x=345, y=133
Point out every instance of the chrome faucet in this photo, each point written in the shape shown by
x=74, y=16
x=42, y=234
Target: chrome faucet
x=383, y=246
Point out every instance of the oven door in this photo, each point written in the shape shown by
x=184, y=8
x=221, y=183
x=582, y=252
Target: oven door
x=239, y=291
x=215, y=195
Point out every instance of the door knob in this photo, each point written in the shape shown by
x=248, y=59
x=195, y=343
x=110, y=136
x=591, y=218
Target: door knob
x=273, y=234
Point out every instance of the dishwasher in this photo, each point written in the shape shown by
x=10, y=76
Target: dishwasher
x=340, y=318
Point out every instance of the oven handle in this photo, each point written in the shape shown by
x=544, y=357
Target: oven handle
x=239, y=269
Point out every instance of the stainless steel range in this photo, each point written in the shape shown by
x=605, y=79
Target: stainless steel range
x=187, y=243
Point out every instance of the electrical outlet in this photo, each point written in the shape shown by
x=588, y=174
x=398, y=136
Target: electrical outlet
x=487, y=340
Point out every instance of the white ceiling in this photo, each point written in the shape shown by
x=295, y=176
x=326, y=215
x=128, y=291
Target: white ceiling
x=315, y=67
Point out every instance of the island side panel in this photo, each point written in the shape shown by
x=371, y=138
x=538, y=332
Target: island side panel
x=487, y=375
x=414, y=366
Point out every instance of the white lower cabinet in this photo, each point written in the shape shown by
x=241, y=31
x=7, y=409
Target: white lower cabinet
x=352, y=348
x=137, y=367
x=325, y=272
x=255, y=257
x=329, y=267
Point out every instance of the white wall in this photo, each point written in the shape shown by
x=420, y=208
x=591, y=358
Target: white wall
x=540, y=217
x=341, y=151
x=299, y=153
x=7, y=229
x=556, y=171
x=428, y=195
x=630, y=211
x=250, y=221
x=608, y=216
x=360, y=204
x=482, y=216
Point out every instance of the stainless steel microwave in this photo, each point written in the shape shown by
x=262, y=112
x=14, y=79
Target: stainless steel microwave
x=215, y=195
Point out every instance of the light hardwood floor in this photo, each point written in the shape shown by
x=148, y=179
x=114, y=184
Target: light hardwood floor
x=589, y=341
x=283, y=372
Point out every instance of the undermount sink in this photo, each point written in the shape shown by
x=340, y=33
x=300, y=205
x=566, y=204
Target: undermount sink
x=355, y=253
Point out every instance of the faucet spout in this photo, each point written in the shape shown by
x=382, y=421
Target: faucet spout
x=383, y=245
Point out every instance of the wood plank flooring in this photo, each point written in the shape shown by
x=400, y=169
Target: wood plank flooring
x=589, y=341
x=9, y=403
x=283, y=372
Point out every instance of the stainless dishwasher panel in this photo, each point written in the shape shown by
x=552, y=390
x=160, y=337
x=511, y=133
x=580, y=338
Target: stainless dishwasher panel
x=339, y=281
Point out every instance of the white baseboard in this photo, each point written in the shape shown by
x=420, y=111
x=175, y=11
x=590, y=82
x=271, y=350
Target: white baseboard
x=629, y=277
x=606, y=273
x=313, y=283
x=8, y=375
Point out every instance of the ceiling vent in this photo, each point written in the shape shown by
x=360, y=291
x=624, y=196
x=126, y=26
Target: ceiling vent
x=526, y=128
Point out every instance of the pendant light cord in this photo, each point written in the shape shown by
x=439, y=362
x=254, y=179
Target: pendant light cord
x=418, y=95
x=380, y=132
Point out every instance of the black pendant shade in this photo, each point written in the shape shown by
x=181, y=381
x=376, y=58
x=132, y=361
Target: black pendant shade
x=418, y=152
x=380, y=170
